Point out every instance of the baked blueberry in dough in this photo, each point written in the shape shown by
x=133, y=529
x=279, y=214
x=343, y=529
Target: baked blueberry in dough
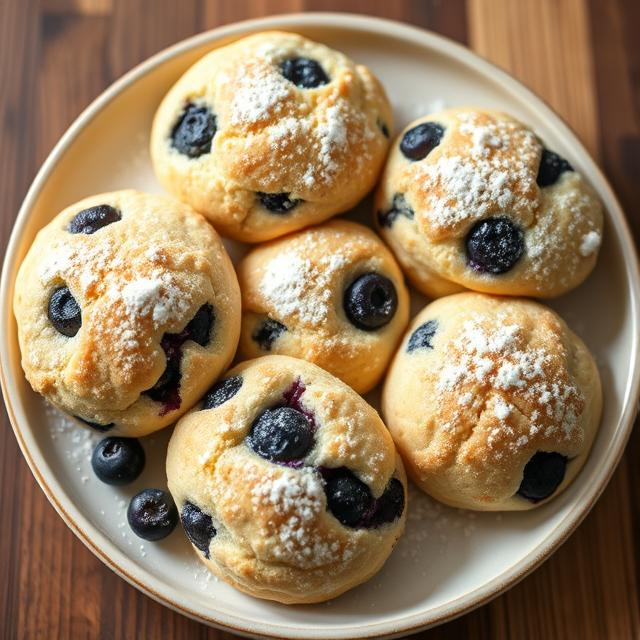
x=270, y=134
x=471, y=199
x=493, y=402
x=332, y=295
x=291, y=489
x=128, y=310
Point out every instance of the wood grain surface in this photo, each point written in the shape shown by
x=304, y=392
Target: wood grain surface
x=582, y=56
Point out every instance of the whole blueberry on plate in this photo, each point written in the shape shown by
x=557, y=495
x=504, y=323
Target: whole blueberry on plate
x=118, y=461
x=152, y=514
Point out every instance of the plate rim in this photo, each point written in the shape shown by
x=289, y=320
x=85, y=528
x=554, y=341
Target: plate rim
x=98, y=543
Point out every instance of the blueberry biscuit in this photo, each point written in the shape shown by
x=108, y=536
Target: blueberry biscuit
x=270, y=134
x=332, y=295
x=492, y=402
x=128, y=309
x=287, y=482
x=473, y=199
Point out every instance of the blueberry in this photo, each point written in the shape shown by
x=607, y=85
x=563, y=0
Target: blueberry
x=422, y=337
x=118, y=461
x=399, y=207
x=152, y=514
x=304, y=72
x=221, y=392
x=371, y=301
x=277, y=202
x=64, y=312
x=90, y=220
x=421, y=140
x=383, y=127
x=194, y=131
x=198, y=526
x=390, y=505
x=542, y=475
x=281, y=435
x=267, y=333
x=166, y=389
x=494, y=245
x=96, y=425
x=348, y=498
x=199, y=328
x=552, y=166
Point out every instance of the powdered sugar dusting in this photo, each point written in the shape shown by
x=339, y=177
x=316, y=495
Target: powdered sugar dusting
x=590, y=243
x=156, y=296
x=510, y=379
x=315, y=135
x=296, y=500
x=494, y=176
x=295, y=286
x=261, y=91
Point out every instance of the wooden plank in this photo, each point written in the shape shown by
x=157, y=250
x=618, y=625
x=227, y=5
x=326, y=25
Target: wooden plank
x=57, y=55
x=589, y=588
x=546, y=45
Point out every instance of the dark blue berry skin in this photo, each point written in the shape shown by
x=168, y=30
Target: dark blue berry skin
x=383, y=128
x=267, y=333
x=118, y=461
x=152, y=514
x=494, y=245
x=64, y=312
x=370, y=302
x=304, y=72
x=277, y=202
x=167, y=389
x=399, y=207
x=389, y=506
x=198, y=526
x=421, y=140
x=194, y=131
x=221, y=392
x=422, y=337
x=95, y=425
x=543, y=474
x=199, y=327
x=90, y=220
x=281, y=435
x=552, y=166
x=348, y=499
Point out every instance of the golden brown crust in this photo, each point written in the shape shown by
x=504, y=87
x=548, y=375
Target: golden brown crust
x=300, y=281
x=486, y=166
x=323, y=145
x=134, y=280
x=503, y=379
x=275, y=537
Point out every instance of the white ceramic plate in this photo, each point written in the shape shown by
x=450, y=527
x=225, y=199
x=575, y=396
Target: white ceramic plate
x=449, y=561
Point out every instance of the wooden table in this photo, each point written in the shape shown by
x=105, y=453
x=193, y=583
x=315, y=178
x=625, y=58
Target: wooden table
x=582, y=56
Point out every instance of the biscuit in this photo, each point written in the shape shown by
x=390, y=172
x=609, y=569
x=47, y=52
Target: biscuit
x=332, y=295
x=128, y=309
x=493, y=402
x=270, y=134
x=471, y=199
x=288, y=484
